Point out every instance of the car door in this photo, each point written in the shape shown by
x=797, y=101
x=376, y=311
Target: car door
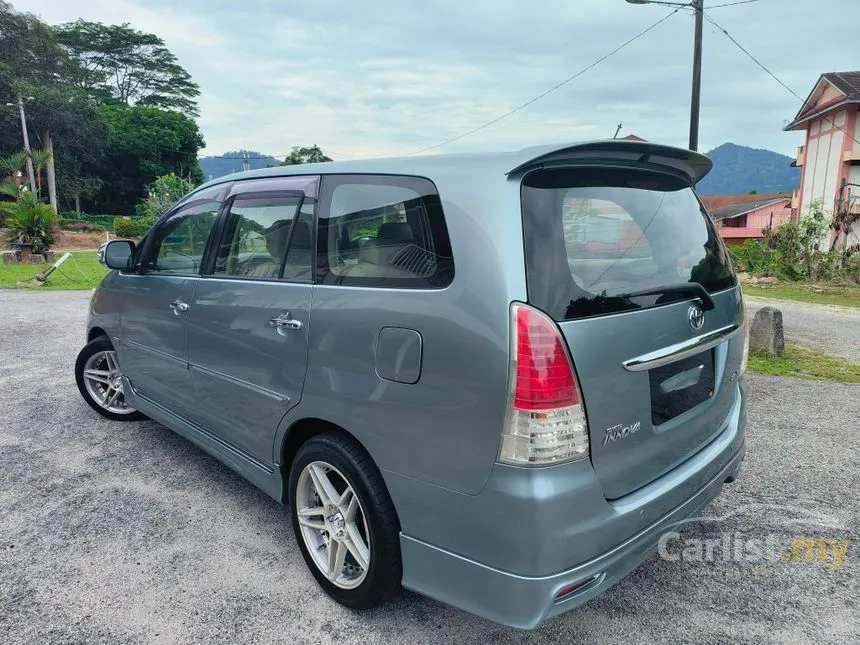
x=248, y=325
x=153, y=345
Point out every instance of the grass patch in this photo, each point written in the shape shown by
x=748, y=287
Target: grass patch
x=806, y=364
x=83, y=271
x=847, y=296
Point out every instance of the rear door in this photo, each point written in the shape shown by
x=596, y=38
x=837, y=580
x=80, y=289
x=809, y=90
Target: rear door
x=617, y=256
x=248, y=327
x=157, y=300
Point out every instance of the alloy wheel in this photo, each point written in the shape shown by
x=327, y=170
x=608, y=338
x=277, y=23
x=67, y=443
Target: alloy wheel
x=103, y=380
x=333, y=524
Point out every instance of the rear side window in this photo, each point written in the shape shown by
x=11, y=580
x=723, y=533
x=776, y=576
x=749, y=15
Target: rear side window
x=384, y=231
x=596, y=237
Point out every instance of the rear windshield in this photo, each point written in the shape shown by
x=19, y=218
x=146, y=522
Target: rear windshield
x=596, y=237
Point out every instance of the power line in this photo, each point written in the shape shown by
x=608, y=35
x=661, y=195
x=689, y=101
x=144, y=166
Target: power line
x=550, y=90
x=731, y=4
x=770, y=73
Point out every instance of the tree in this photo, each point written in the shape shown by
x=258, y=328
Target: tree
x=40, y=159
x=163, y=193
x=120, y=63
x=301, y=155
x=29, y=53
x=145, y=143
x=66, y=117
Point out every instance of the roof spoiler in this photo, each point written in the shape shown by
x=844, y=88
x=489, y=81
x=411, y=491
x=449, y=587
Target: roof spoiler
x=690, y=164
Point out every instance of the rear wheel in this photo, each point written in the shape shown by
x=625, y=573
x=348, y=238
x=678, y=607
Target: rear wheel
x=99, y=380
x=344, y=521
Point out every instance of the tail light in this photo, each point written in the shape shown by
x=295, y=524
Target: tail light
x=545, y=422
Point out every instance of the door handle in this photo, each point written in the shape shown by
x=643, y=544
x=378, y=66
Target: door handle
x=285, y=321
x=179, y=307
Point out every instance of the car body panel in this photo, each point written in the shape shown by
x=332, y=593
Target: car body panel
x=248, y=372
x=153, y=336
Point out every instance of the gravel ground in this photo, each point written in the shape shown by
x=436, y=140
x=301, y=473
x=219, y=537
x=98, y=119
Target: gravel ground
x=826, y=328
x=126, y=533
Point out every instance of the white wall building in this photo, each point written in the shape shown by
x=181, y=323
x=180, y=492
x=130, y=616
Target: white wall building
x=830, y=158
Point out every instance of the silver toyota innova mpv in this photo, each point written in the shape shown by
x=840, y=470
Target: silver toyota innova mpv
x=492, y=379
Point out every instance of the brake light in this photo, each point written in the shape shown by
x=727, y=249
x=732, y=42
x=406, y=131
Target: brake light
x=545, y=422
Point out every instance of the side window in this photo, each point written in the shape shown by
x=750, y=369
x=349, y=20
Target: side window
x=267, y=233
x=180, y=241
x=384, y=231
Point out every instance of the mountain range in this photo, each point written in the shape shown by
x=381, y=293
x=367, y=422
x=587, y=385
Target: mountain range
x=230, y=162
x=737, y=169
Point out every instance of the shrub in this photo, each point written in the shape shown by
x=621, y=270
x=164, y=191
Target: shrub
x=162, y=194
x=105, y=221
x=130, y=227
x=6, y=211
x=32, y=222
x=79, y=226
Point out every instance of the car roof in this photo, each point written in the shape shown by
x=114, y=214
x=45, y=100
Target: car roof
x=693, y=164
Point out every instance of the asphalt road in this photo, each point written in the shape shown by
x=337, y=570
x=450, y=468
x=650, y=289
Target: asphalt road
x=826, y=328
x=126, y=533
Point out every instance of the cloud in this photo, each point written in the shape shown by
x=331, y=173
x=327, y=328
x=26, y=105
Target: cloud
x=379, y=77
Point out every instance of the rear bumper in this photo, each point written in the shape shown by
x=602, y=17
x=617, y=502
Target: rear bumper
x=505, y=553
x=525, y=602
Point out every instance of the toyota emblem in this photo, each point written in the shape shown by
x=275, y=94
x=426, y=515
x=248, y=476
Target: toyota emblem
x=696, y=317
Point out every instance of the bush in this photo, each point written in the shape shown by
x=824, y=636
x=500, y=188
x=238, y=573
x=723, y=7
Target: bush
x=130, y=227
x=32, y=222
x=80, y=226
x=105, y=221
x=6, y=211
x=162, y=194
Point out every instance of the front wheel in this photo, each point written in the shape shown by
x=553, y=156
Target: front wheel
x=344, y=521
x=99, y=380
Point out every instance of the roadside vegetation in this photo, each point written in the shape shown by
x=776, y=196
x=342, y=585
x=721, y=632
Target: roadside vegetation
x=790, y=262
x=806, y=364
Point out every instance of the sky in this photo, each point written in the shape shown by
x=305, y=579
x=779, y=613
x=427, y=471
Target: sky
x=376, y=78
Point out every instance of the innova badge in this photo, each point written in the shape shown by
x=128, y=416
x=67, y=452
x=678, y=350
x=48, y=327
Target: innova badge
x=696, y=317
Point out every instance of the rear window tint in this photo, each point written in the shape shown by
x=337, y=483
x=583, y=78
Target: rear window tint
x=595, y=237
x=383, y=231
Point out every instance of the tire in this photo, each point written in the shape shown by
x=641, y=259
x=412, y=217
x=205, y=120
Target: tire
x=99, y=353
x=349, y=465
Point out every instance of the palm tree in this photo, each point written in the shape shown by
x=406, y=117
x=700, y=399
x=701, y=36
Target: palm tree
x=13, y=165
x=10, y=188
x=40, y=158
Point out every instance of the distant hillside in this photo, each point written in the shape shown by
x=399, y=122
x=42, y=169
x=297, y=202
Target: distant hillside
x=231, y=162
x=738, y=170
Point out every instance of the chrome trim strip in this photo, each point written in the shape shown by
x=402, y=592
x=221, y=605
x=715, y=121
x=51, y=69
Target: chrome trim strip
x=678, y=351
x=155, y=352
x=280, y=398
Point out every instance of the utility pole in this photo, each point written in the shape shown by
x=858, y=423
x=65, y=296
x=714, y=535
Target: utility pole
x=31, y=175
x=699, y=8
x=246, y=162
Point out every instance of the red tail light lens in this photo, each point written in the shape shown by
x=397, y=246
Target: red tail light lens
x=546, y=419
x=544, y=377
